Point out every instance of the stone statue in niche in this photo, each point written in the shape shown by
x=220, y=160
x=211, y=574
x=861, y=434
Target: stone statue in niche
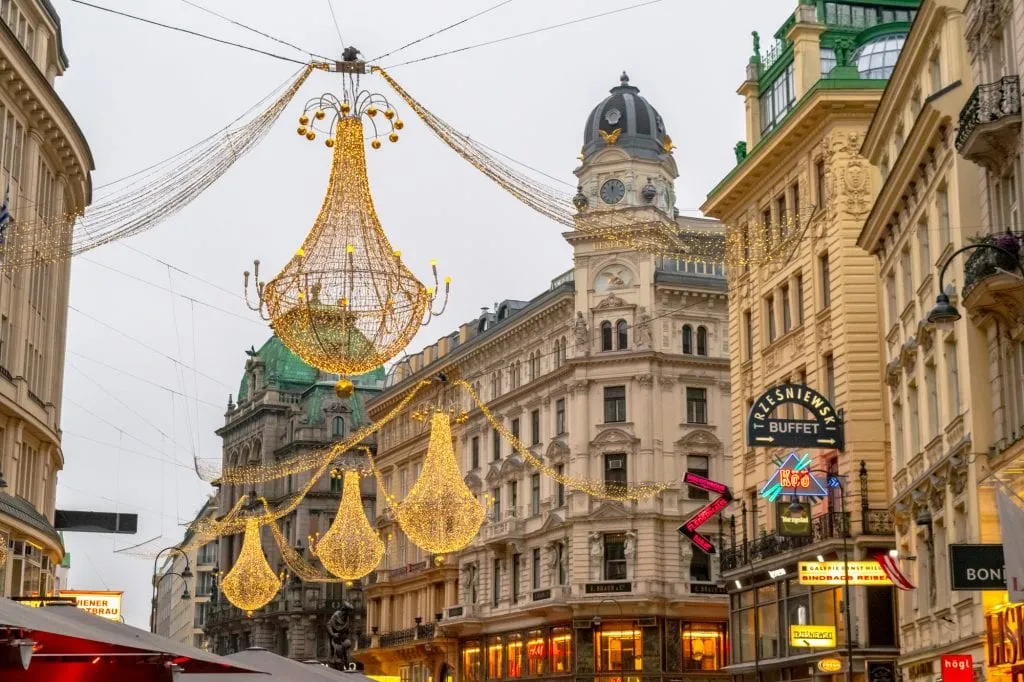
x=642, y=335
x=596, y=548
x=579, y=329
x=629, y=546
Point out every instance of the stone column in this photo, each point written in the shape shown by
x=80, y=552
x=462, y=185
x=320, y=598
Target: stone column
x=385, y=613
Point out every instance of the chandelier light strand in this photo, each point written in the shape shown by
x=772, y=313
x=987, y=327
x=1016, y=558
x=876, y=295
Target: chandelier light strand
x=251, y=583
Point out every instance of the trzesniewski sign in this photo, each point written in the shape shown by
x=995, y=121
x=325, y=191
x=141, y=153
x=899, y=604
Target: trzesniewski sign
x=977, y=567
x=823, y=430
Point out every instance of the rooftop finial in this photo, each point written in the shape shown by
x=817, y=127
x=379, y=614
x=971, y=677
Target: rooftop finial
x=624, y=78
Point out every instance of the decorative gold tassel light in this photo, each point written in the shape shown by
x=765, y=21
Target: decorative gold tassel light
x=350, y=548
x=346, y=303
x=251, y=583
x=440, y=513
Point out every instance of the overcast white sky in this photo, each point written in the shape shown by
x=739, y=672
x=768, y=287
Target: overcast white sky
x=142, y=93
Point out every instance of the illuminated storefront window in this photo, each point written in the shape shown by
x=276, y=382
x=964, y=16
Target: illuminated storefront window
x=471, y=662
x=514, y=648
x=703, y=646
x=495, y=660
x=536, y=652
x=561, y=650
x=620, y=647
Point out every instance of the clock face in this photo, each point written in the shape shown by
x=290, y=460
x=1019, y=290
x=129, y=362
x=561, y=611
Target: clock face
x=612, y=191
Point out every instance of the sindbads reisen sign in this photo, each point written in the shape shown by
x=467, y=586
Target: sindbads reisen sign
x=822, y=427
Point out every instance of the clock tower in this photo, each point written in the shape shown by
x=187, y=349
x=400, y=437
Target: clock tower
x=626, y=161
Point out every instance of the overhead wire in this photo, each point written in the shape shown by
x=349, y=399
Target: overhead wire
x=254, y=30
x=524, y=34
x=337, y=28
x=144, y=380
x=442, y=30
x=197, y=34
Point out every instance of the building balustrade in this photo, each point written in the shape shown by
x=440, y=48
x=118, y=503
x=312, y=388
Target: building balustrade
x=989, y=119
x=503, y=529
x=983, y=263
x=398, y=637
x=224, y=612
x=831, y=525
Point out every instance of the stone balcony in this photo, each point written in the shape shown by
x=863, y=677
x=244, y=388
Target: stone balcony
x=507, y=529
x=990, y=122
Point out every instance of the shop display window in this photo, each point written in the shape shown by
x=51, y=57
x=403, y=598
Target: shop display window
x=620, y=647
x=495, y=658
x=703, y=646
x=536, y=652
x=514, y=654
x=561, y=650
x=471, y=662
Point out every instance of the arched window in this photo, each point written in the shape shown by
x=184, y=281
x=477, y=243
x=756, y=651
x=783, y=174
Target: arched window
x=338, y=428
x=495, y=384
x=606, y=335
x=558, y=355
x=702, y=341
x=519, y=373
x=563, y=355
x=687, y=339
x=622, y=336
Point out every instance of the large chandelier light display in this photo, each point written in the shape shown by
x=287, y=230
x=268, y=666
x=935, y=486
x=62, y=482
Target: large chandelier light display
x=346, y=303
x=440, y=514
x=350, y=548
x=251, y=583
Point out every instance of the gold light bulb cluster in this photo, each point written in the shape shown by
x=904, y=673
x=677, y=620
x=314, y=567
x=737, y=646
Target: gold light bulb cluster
x=251, y=583
x=440, y=514
x=350, y=548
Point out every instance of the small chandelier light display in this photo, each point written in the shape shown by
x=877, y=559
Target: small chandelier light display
x=440, y=514
x=350, y=548
x=251, y=583
x=346, y=303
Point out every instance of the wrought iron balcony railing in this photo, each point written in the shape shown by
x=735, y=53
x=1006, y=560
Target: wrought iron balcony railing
x=988, y=103
x=398, y=637
x=824, y=527
x=984, y=263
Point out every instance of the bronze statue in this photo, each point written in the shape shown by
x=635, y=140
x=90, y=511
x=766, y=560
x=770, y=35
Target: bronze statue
x=340, y=630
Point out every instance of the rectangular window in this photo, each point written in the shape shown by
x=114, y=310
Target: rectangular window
x=560, y=416
x=697, y=464
x=830, y=378
x=799, y=299
x=614, y=404
x=795, y=204
x=560, y=558
x=931, y=386
x=9, y=142
x=913, y=406
x=696, y=406
x=783, y=215
x=787, y=320
x=942, y=205
x=535, y=427
x=19, y=144
x=513, y=498
x=826, y=280
x=495, y=445
x=560, y=487
x=535, y=573
x=496, y=504
x=907, y=272
x=769, y=313
x=516, y=562
x=766, y=229
x=615, y=476
x=474, y=447
x=515, y=428
x=819, y=183
x=535, y=494
x=495, y=598
x=748, y=333
x=5, y=340
x=924, y=247
x=893, y=308
x=952, y=379
x=700, y=567
x=615, y=556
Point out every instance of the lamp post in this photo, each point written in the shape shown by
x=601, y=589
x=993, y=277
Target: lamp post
x=946, y=312
x=836, y=481
x=184, y=575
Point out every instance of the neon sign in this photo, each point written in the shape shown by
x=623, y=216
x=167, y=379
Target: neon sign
x=691, y=528
x=793, y=477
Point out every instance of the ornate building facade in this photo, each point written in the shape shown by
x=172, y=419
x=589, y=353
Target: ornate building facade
x=803, y=310
x=45, y=169
x=618, y=372
x=284, y=409
x=939, y=394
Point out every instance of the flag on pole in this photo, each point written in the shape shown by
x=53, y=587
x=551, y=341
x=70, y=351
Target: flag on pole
x=5, y=213
x=892, y=569
x=1011, y=523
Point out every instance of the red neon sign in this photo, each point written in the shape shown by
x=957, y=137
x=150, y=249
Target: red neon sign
x=689, y=529
x=790, y=479
x=706, y=484
x=702, y=543
x=705, y=514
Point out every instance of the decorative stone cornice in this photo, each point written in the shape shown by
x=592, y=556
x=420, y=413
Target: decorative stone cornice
x=908, y=354
x=892, y=372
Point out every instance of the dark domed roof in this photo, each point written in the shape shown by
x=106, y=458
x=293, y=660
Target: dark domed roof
x=641, y=130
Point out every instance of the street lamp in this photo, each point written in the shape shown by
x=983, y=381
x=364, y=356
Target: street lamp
x=945, y=312
x=184, y=575
x=836, y=481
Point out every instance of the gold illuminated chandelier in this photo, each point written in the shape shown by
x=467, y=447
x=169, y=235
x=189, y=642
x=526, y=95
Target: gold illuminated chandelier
x=346, y=303
x=251, y=583
x=351, y=547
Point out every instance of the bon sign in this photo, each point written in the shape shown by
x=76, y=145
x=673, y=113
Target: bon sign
x=957, y=668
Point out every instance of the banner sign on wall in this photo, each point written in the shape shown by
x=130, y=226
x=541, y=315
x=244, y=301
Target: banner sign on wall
x=823, y=430
x=831, y=573
x=957, y=668
x=793, y=520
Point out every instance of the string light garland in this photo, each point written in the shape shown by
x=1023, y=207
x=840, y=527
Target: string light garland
x=598, y=489
x=298, y=564
x=143, y=200
x=440, y=514
x=346, y=303
x=251, y=583
x=351, y=547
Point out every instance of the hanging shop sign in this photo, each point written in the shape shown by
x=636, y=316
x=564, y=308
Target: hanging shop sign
x=691, y=528
x=823, y=430
x=813, y=636
x=793, y=519
x=103, y=604
x=831, y=573
x=977, y=567
x=957, y=668
x=793, y=477
x=830, y=665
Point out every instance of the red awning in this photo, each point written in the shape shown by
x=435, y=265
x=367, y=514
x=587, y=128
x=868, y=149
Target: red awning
x=72, y=645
